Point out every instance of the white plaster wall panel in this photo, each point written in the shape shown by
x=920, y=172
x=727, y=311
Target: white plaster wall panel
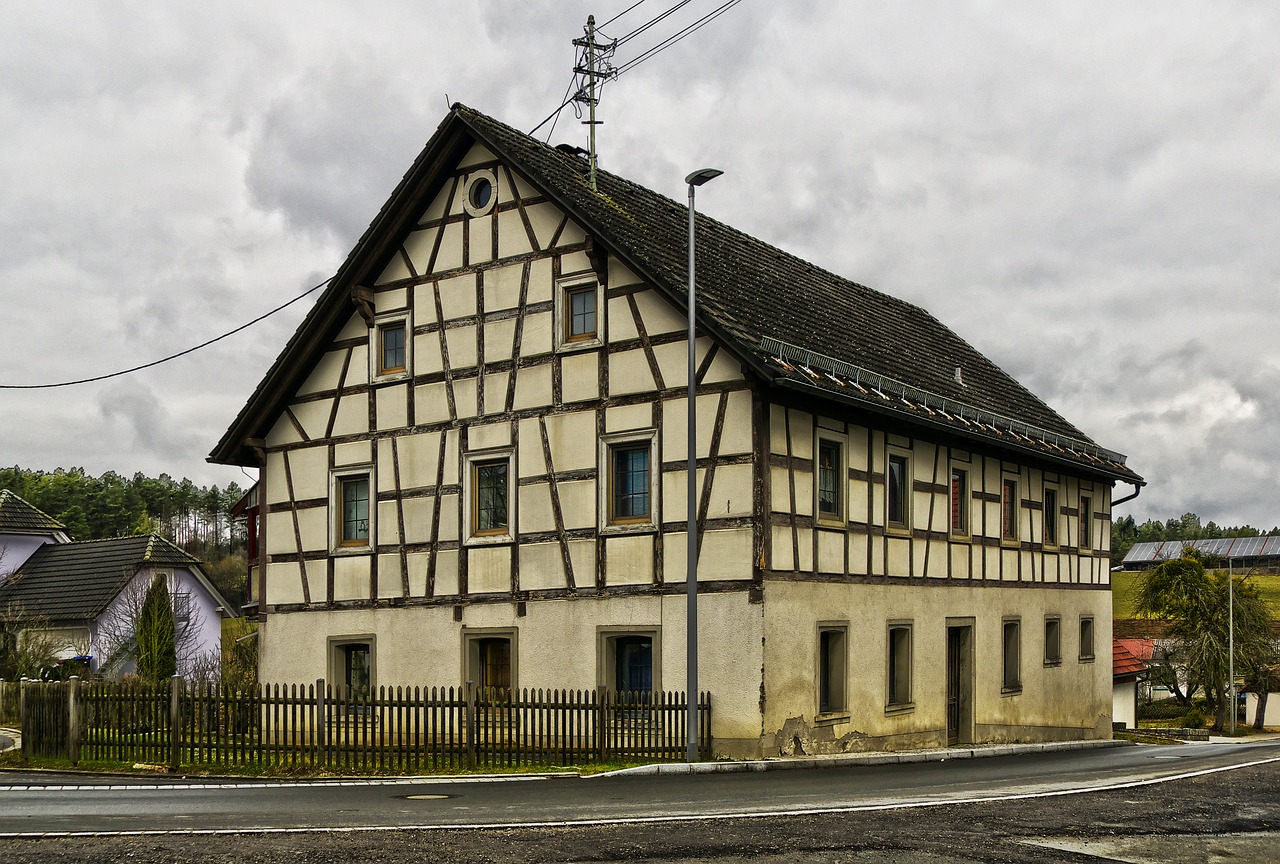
x=446, y=572
x=877, y=556
x=990, y=563
x=324, y=375
x=452, y=467
x=389, y=584
x=831, y=546
x=352, y=453
x=512, y=238
x=582, y=554
x=477, y=155
x=535, y=336
x=489, y=570
x=622, y=325
x=313, y=417
x=358, y=371
x=436, y=209
x=419, y=460
x=391, y=300
x=801, y=434
x=579, y=377
x=317, y=580
x=424, y=304
x=899, y=552
x=545, y=219
x=858, y=554
x=530, y=461
x=725, y=554
x=351, y=575
x=449, y=255
x=731, y=492
x=480, y=239
x=541, y=566
x=355, y=328
x=388, y=523
x=418, y=246
x=675, y=493
x=280, y=537
x=779, y=490
x=661, y=317
x=353, y=415
x=572, y=437
x=282, y=432
x=783, y=553
x=859, y=501
x=622, y=418
x=502, y=287
x=465, y=397
x=536, y=514
x=575, y=263
x=673, y=362
x=417, y=519
x=310, y=469
x=675, y=426
x=736, y=437
x=960, y=555
x=541, y=285
x=806, y=549
x=462, y=347
x=523, y=188
x=394, y=271
x=578, y=503
x=533, y=387
x=487, y=436
x=431, y=405
x=274, y=487
x=1009, y=564
x=313, y=528
x=448, y=517
x=392, y=406
x=629, y=560
x=417, y=563
x=495, y=392
x=426, y=354
x=804, y=493
x=284, y=583
x=620, y=275
x=777, y=429
x=499, y=339
x=937, y=560
x=723, y=368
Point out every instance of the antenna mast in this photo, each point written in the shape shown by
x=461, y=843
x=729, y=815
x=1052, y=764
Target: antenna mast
x=596, y=66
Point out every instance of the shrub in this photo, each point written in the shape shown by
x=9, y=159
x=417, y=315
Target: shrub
x=1194, y=719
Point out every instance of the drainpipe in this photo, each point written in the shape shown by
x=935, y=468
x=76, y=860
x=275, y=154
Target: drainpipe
x=1137, y=490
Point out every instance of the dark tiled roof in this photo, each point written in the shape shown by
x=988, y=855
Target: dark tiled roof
x=74, y=581
x=749, y=292
x=19, y=517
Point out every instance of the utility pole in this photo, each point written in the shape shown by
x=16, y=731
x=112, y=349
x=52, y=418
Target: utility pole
x=1231, y=641
x=596, y=54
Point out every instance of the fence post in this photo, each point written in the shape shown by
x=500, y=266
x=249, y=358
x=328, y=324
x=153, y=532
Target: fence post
x=22, y=718
x=602, y=737
x=175, y=722
x=471, y=716
x=73, y=719
x=322, y=725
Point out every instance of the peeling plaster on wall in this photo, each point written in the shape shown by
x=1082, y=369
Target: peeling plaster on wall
x=798, y=738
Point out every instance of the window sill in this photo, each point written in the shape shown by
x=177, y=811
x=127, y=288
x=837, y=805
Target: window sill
x=1087, y=658
x=900, y=708
x=567, y=347
x=388, y=377
x=1011, y=691
x=366, y=549
x=831, y=718
x=898, y=531
x=832, y=523
x=489, y=540
x=628, y=528
x=1051, y=663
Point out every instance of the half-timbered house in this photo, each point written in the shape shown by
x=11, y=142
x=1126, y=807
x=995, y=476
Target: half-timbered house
x=472, y=468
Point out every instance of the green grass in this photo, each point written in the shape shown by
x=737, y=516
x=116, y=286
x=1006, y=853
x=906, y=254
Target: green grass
x=1123, y=588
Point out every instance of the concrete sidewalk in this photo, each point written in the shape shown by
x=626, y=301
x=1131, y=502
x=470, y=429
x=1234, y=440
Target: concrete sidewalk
x=10, y=739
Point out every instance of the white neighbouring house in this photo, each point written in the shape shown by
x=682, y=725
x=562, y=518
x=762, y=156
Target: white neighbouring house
x=472, y=468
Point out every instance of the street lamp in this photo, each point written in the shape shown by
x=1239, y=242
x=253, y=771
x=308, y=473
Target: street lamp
x=697, y=178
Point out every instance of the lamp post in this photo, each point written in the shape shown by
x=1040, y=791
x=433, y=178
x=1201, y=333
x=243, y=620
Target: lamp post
x=694, y=180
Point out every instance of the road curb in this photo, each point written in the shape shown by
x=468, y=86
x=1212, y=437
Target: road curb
x=849, y=760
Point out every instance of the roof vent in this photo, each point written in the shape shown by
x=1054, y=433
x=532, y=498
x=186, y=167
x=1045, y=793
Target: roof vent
x=959, y=378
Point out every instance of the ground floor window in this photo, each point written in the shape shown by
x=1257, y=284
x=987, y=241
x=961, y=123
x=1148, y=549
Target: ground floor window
x=490, y=660
x=899, y=687
x=831, y=669
x=1052, y=642
x=1012, y=645
x=1086, y=639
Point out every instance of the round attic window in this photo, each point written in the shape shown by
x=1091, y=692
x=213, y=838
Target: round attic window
x=481, y=193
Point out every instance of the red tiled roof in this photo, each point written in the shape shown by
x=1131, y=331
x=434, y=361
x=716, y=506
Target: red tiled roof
x=1141, y=649
x=1124, y=663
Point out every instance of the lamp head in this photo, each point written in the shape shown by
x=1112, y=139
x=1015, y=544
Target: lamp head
x=702, y=175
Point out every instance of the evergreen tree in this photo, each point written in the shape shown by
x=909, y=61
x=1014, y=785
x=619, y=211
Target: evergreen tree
x=156, y=634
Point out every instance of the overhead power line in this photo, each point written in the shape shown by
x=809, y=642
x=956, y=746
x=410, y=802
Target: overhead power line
x=623, y=12
x=182, y=353
x=671, y=40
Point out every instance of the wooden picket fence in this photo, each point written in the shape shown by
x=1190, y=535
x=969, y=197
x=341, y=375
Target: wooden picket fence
x=9, y=703
x=395, y=730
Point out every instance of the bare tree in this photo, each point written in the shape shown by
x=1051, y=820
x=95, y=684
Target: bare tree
x=118, y=628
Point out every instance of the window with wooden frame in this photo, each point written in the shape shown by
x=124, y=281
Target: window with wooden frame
x=832, y=652
x=1050, y=516
x=352, y=665
x=1086, y=640
x=959, y=501
x=628, y=485
x=488, y=495
x=1012, y=656
x=578, y=312
x=489, y=658
x=1086, y=523
x=1009, y=510
x=898, y=491
x=898, y=687
x=629, y=659
x=830, y=484
x=1052, y=641
x=391, y=348
x=353, y=506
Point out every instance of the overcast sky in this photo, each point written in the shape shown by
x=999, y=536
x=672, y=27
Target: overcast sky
x=1087, y=192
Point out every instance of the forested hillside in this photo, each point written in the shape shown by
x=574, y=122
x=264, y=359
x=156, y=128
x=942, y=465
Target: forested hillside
x=193, y=517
